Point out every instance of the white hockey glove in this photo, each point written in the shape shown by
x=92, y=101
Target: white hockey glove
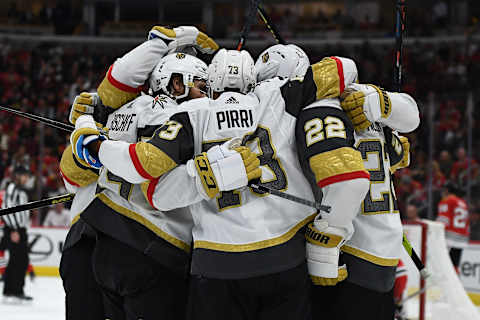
x=323, y=252
x=365, y=104
x=85, y=133
x=184, y=36
x=84, y=104
x=223, y=168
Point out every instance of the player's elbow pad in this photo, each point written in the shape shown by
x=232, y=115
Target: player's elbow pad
x=74, y=173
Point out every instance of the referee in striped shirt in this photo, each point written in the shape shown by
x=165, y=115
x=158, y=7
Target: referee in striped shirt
x=15, y=238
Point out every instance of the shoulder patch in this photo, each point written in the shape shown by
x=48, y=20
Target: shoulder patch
x=265, y=57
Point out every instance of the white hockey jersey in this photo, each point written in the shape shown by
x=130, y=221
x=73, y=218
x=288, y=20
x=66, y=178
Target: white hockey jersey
x=378, y=229
x=242, y=223
x=133, y=122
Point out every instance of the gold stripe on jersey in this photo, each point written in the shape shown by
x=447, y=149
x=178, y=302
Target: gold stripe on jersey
x=386, y=262
x=72, y=172
x=75, y=219
x=322, y=239
x=112, y=96
x=385, y=103
x=143, y=221
x=153, y=160
x=254, y=245
x=336, y=162
x=326, y=78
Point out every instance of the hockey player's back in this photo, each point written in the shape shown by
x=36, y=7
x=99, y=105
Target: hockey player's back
x=252, y=220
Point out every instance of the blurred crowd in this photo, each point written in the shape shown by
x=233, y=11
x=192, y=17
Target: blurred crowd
x=44, y=80
x=301, y=19
x=63, y=16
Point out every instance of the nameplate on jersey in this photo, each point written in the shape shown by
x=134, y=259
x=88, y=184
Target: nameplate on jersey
x=234, y=118
x=122, y=122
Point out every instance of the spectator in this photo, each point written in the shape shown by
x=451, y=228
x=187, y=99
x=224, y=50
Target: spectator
x=57, y=216
x=412, y=213
x=445, y=162
x=458, y=173
x=439, y=178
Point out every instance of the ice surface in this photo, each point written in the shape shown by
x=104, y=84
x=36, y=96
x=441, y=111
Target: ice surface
x=48, y=301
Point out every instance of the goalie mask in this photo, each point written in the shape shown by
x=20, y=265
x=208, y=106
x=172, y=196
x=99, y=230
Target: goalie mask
x=189, y=67
x=285, y=61
x=231, y=69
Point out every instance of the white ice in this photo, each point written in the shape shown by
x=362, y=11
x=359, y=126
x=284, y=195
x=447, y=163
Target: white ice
x=48, y=301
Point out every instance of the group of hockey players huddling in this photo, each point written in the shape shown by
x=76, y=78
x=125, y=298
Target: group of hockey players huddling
x=164, y=222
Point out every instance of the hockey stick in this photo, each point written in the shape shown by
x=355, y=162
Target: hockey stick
x=70, y=128
x=248, y=23
x=397, y=66
x=69, y=197
x=38, y=204
x=413, y=295
x=414, y=256
x=291, y=197
x=400, y=28
x=268, y=22
x=50, y=122
x=399, y=31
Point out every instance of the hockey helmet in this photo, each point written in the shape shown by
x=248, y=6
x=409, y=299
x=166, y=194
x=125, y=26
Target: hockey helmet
x=231, y=69
x=286, y=61
x=191, y=68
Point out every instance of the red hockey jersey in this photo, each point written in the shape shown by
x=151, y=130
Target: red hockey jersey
x=453, y=212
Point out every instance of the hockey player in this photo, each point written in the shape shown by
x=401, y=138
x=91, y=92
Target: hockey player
x=371, y=255
x=397, y=156
x=324, y=160
x=263, y=243
x=453, y=213
x=284, y=61
x=119, y=86
x=168, y=235
x=15, y=238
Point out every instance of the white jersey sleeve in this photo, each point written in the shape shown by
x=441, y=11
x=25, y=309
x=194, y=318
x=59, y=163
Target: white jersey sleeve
x=175, y=189
x=115, y=156
x=135, y=121
x=125, y=77
x=398, y=111
x=405, y=116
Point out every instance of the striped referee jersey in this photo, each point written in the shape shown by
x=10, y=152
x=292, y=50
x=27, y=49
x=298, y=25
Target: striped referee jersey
x=15, y=196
